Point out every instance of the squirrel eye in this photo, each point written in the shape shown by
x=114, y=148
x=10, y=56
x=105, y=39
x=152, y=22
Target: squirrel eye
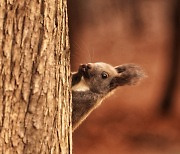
x=104, y=75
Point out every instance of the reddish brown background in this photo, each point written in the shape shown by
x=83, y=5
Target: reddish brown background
x=117, y=32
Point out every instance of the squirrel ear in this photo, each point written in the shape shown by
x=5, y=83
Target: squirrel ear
x=129, y=74
x=120, y=68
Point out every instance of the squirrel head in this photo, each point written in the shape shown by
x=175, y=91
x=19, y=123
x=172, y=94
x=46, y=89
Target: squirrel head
x=103, y=78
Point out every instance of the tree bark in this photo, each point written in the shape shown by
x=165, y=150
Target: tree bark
x=35, y=96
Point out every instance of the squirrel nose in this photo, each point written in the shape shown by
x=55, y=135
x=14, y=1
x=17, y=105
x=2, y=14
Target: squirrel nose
x=83, y=65
x=86, y=67
x=89, y=66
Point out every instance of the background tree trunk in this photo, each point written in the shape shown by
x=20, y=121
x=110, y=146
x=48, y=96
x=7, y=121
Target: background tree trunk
x=35, y=97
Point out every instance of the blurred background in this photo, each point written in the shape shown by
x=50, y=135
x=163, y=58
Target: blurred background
x=142, y=119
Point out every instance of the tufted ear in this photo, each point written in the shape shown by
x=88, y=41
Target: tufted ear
x=120, y=68
x=128, y=74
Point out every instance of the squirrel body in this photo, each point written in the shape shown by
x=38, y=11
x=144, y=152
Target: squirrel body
x=93, y=82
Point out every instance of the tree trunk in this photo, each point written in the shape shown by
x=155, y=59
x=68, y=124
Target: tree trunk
x=35, y=97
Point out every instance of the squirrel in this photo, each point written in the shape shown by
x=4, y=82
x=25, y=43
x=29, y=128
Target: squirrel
x=93, y=82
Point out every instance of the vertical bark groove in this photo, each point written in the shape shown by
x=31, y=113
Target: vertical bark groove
x=35, y=97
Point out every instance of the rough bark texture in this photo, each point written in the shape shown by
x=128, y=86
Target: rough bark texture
x=35, y=97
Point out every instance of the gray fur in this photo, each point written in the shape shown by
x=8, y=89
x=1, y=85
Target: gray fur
x=101, y=79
